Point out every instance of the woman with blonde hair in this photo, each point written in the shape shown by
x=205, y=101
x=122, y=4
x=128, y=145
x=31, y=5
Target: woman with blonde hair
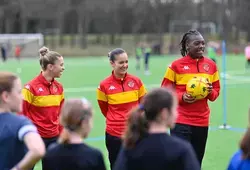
x=70, y=152
x=44, y=96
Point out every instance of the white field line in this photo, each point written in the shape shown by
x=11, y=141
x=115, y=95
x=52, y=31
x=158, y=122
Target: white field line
x=236, y=72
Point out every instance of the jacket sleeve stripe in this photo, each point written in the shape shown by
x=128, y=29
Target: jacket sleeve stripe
x=215, y=77
x=27, y=95
x=42, y=101
x=170, y=75
x=142, y=91
x=101, y=96
x=124, y=97
x=47, y=101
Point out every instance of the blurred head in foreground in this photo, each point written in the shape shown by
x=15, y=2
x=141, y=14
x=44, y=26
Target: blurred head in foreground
x=157, y=111
x=76, y=118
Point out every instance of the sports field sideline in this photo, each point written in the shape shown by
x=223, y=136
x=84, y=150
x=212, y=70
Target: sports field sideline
x=82, y=77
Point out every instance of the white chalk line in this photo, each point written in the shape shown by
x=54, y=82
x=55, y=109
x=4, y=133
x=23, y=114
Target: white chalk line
x=236, y=72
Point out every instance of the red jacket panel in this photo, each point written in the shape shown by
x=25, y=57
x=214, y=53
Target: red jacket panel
x=177, y=76
x=116, y=97
x=42, y=104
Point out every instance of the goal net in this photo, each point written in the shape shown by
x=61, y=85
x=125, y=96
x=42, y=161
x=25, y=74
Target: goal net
x=28, y=43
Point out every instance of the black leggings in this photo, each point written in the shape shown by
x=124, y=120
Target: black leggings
x=196, y=135
x=113, y=145
x=146, y=60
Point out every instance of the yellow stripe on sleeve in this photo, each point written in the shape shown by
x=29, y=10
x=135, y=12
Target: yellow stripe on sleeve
x=47, y=101
x=42, y=101
x=101, y=96
x=215, y=77
x=123, y=97
x=142, y=91
x=170, y=74
x=27, y=95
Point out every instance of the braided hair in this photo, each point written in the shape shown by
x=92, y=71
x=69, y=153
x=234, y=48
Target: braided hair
x=184, y=40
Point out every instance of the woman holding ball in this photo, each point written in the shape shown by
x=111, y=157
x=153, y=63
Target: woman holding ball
x=193, y=118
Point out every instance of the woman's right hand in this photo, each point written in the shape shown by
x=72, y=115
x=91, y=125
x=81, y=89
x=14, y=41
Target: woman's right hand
x=188, y=98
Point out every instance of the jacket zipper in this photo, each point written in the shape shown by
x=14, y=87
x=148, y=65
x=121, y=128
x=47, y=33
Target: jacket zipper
x=197, y=65
x=49, y=88
x=122, y=85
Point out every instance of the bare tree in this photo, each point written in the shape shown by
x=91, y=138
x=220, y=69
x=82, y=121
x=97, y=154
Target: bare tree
x=243, y=16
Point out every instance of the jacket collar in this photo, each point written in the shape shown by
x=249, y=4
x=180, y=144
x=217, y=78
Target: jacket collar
x=118, y=79
x=189, y=58
x=42, y=79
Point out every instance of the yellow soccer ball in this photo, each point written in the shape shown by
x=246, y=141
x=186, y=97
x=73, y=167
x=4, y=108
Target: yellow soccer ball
x=197, y=87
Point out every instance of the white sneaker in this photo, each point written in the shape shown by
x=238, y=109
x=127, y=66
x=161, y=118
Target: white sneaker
x=147, y=73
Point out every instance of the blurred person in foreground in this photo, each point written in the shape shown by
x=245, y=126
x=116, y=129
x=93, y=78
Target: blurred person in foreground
x=70, y=152
x=241, y=159
x=117, y=95
x=21, y=145
x=193, y=119
x=44, y=96
x=147, y=146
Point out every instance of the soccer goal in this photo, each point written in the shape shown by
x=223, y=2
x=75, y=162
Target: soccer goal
x=28, y=43
x=180, y=26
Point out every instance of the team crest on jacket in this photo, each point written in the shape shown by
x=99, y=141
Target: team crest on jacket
x=206, y=67
x=131, y=84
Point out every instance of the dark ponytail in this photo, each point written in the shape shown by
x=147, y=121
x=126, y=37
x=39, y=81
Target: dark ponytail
x=137, y=127
x=148, y=111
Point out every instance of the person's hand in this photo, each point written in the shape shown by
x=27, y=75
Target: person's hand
x=210, y=87
x=188, y=98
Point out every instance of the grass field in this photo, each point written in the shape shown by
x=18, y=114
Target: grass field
x=82, y=76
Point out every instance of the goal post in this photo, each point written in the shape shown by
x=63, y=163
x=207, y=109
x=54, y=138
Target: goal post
x=29, y=44
x=181, y=26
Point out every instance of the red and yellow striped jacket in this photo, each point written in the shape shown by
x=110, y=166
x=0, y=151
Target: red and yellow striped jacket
x=116, y=97
x=42, y=104
x=177, y=76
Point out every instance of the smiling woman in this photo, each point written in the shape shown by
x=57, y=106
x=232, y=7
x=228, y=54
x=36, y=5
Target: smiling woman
x=193, y=119
x=44, y=96
x=117, y=95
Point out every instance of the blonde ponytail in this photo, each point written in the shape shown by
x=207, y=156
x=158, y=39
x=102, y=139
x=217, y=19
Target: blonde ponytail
x=47, y=57
x=64, y=137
